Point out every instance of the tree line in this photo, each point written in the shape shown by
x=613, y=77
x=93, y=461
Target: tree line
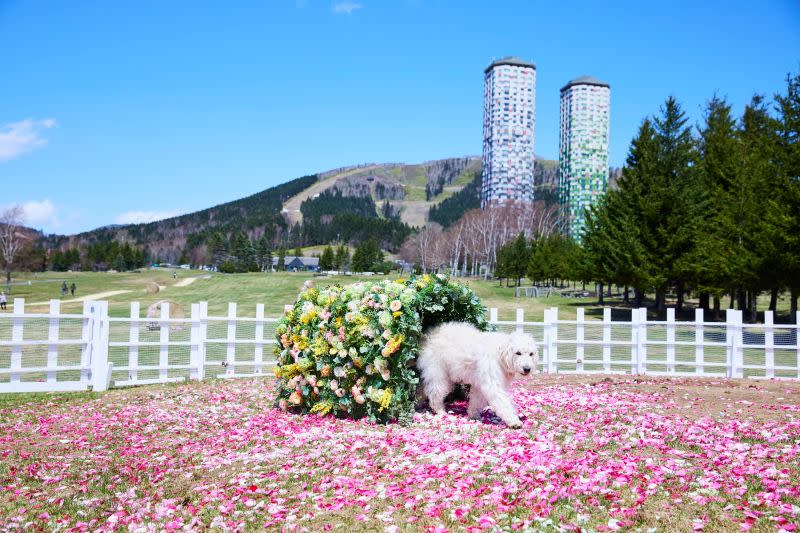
x=710, y=212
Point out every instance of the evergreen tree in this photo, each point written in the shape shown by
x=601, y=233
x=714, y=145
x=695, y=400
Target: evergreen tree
x=326, y=261
x=281, y=259
x=342, y=258
x=264, y=255
x=366, y=256
x=298, y=252
x=218, y=248
x=619, y=241
x=719, y=153
x=787, y=187
x=513, y=259
x=675, y=197
x=119, y=262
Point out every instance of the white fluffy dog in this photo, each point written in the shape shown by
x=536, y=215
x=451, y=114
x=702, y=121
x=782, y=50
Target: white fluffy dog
x=457, y=352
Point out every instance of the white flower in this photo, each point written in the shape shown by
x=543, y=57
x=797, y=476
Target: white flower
x=385, y=318
x=333, y=384
x=395, y=305
x=339, y=371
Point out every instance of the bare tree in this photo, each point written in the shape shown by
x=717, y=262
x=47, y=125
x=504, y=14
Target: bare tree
x=11, y=237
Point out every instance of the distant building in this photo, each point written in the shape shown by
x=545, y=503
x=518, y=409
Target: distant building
x=509, y=105
x=583, y=150
x=296, y=263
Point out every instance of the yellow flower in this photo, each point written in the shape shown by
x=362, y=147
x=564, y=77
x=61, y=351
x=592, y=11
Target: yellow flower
x=393, y=345
x=322, y=408
x=385, y=399
x=397, y=313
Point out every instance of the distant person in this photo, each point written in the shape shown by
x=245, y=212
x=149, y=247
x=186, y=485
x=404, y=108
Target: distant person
x=174, y=275
x=64, y=288
x=3, y=300
x=72, y=289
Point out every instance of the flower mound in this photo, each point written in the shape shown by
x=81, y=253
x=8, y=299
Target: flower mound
x=349, y=351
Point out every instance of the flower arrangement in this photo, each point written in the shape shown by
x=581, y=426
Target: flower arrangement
x=350, y=351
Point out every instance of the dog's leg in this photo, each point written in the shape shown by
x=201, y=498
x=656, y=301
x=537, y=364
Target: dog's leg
x=477, y=403
x=501, y=404
x=437, y=385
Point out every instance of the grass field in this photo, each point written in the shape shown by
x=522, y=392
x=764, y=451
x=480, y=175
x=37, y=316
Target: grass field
x=274, y=290
x=594, y=454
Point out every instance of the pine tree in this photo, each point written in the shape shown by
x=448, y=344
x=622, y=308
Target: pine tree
x=281, y=259
x=326, y=261
x=263, y=255
x=217, y=248
x=618, y=243
x=719, y=153
x=787, y=187
x=676, y=196
x=342, y=257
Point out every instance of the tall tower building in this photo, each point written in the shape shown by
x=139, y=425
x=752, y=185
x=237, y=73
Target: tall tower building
x=583, y=150
x=509, y=103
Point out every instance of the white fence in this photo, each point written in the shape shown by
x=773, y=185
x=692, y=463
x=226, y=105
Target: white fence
x=56, y=351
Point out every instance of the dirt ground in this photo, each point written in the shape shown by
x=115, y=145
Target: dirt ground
x=700, y=397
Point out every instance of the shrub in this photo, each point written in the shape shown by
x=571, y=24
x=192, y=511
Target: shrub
x=350, y=351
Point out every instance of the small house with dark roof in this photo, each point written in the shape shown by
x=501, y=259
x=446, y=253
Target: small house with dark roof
x=294, y=263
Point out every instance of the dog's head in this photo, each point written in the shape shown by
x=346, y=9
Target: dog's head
x=520, y=356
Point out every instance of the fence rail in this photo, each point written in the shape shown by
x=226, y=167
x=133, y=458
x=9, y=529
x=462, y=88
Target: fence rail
x=57, y=351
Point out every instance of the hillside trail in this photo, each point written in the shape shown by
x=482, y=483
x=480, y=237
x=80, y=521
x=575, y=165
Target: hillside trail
x=185, y=282
x=95, y=296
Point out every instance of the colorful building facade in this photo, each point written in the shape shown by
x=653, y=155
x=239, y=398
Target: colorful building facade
x=583, y=150
x=509, y=106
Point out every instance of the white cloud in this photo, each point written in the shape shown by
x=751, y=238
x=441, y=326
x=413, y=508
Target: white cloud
x=17, y=138
x=346, y=6
x=142, y=217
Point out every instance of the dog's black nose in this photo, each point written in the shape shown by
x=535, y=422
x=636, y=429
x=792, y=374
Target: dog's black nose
x=526, y=370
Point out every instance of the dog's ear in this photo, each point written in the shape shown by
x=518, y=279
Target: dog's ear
x=507, y=353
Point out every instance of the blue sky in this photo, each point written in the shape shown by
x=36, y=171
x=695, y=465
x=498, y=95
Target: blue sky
x=129, y=110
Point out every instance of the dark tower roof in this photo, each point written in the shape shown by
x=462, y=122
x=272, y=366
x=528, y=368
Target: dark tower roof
x=510, y=60
x=585, y=80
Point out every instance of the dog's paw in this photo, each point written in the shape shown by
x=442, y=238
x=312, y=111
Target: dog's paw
x=515, y=424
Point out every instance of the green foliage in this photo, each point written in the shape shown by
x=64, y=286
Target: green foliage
x=327, y=259
x=451, y=209
x=342, y=258
x=350, y=351
x=513, y=258
x=366, y=256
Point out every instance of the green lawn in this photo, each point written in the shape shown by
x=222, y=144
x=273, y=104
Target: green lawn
x=275, y=290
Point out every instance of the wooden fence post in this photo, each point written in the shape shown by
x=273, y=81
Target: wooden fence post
x=52, y=335
x=231, y=353
x=258, y=356
x=101, y=369
x=634, y=341
x=606, y=339
x=133, y=338
x=520, y=319
x=641, y=340
x=203, y=309
x=769, y=345
x=194, y=343
x=17, y=336
x=797, y=342
x=553, y=340
x=699, y=356
x=738, y=352
x=671, y=340
x=87, y=336
x=163, y=342
x=579, y=340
